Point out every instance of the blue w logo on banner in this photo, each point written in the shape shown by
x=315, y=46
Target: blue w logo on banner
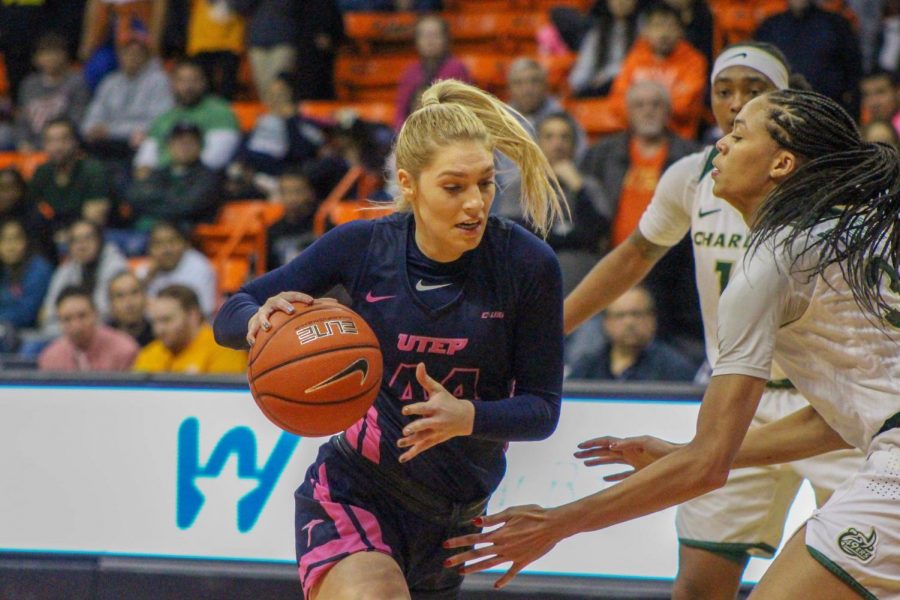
x=240, y=442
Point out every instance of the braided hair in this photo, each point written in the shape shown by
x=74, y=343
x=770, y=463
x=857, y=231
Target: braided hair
x=852, y=185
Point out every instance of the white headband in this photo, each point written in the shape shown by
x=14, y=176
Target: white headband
x=754, y=58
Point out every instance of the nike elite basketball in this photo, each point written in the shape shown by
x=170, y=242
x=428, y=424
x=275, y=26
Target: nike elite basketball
x=317, y=371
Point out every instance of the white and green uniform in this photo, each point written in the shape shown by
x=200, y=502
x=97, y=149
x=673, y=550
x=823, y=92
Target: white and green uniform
x=747, y=515
x=848, y=367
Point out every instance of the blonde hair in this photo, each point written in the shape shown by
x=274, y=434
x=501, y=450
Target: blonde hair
x=453, y=111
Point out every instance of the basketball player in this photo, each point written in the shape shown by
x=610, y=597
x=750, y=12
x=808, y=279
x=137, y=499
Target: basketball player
x=819, y=290
x=719, y=532
x=468, y=311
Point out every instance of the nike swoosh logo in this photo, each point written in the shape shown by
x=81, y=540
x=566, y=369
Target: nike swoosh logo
x=739, y=55
x=427, y=288
x=701, y=213
x=360, y=365
x=371, y=298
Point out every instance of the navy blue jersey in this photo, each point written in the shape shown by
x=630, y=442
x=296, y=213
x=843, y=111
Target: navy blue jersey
x=493, y=336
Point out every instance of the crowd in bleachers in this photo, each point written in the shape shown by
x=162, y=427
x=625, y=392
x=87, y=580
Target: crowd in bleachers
x=156, y=154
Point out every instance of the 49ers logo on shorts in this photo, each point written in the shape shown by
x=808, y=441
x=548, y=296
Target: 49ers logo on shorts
x=853, y=543
x=315, y=331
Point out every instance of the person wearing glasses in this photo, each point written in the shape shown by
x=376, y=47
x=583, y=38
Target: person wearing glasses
x=631, y=351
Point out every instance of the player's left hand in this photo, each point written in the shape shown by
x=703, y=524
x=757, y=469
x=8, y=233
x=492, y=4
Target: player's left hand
x=528, y=533
x=637, y=452
x=442, y=417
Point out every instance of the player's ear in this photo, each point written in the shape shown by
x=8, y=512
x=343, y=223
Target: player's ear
x=407, y=184
x=784, y=163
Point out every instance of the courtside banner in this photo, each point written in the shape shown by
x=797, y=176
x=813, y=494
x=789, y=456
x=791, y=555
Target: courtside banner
x=200, y=473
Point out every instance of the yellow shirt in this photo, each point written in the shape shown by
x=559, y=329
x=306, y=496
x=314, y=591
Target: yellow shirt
x=202, y=355
x=213, y=27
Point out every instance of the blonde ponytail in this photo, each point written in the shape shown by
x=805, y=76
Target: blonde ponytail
x=455, y=111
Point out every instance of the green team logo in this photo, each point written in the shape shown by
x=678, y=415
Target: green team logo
x=853, y=543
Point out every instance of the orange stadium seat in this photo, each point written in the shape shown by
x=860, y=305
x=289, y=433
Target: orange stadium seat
x=558, y=67
x=4, y=80
x=546, y=5
x=736, y=20
x=238, y=239
x=337, y=209
x=369, y=78
x=488, y=71
x=478, y=32
x=596, y=115
x=368, y=30
x=247, y=113
x=376, y=112
x=24, y=162
x=520, y=30
x=477, y=6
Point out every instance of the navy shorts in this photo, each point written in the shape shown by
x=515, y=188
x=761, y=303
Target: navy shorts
x=339, y=512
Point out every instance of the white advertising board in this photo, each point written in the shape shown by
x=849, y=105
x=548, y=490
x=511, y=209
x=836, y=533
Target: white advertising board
x=193, y=473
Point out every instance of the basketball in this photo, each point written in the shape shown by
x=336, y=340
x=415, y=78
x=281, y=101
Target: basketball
x=316, y=371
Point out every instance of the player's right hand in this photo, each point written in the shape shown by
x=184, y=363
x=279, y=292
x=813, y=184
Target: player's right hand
x=280, y=302
x=637, y=452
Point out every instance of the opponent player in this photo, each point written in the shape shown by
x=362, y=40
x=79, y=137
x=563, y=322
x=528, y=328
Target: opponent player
x=819, y=289
x=718, y=532
x=475, y=300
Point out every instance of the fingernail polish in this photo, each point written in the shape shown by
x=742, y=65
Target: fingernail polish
x=477, y=521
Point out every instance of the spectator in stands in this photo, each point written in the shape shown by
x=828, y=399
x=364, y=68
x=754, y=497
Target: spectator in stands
x=661, y=54
x=588, y=229
x=215, y=39
x=526, y=80
x=24, y=275
x=172, y=261
x=21, y=23
x=698, y=24
x=55, y=90
x=888, y=52
x=127, y=101
x=630, y=351
x=7, y=119
x=821, y=46
x=128, y=306
x=194, y=104
x=273, y=28
x=281, y=137
x=85, y=344
x=881, y=97
x=184, y=341
x=91, y=264
x=126, y=16
x=580, y=240
x=70, y=186
x=321, y=34
x=16, y=203
x=294, y=232
x=529, y=94
x=881, y=131
x=184, y=191
x=603, y=48
x=867, y=22
x=435, y=62
x=629, y=166
x=354, y=142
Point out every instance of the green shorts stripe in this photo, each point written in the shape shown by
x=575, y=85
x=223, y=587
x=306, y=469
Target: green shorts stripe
x=733, y=551
x=840, y=573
